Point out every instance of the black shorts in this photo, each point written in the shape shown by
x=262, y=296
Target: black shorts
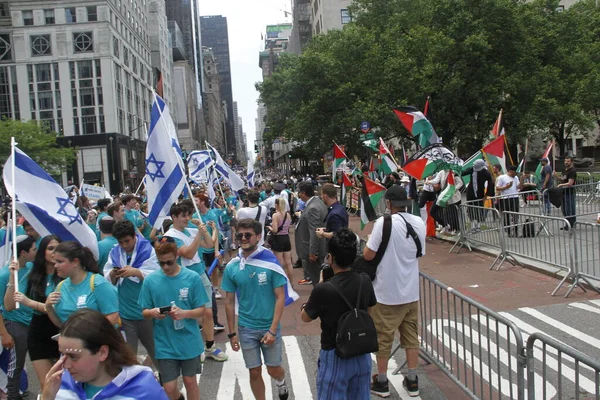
x=281, y=243
x=39, y=341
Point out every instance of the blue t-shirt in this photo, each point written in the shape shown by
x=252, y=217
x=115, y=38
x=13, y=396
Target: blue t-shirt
x=211, y=215
x=23, y=313
x=255, y=291
x=73, y=297
x=187, y=291
x=104, y=248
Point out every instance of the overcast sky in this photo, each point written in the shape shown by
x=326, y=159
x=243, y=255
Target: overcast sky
x=246, y=20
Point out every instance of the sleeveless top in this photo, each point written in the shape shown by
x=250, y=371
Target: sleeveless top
x=285, y=228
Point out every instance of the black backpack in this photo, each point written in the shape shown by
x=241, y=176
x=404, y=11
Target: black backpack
x=356, y=334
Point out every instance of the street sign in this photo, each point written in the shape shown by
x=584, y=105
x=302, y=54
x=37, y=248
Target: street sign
x=365, y=126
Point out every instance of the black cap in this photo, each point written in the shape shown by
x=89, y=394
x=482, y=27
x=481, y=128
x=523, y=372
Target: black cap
x=397, y=196
x=279, y=186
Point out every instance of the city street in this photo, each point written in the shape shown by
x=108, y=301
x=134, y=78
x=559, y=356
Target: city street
x=520, y=294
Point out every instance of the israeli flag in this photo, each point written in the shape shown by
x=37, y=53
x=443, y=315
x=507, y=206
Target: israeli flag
x=250, y=175
x=199, y=162
x=227, y=173
x=165, y=178
x=52, y=213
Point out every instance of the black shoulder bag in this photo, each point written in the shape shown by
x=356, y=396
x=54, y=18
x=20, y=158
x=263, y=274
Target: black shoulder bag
x=370, y=267
x=356, y=334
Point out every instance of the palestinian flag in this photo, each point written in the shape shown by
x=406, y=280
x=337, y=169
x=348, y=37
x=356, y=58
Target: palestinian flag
x=494, y=152
x=432, y=159
x=417, y=124
x=538, y=170
x=339, y=157
x=498, y=129
x=428, y=110
x=372, y=192
x=388, y=164
x=469, y=164
x=371, y=144
x=404, y=156
x=523, y=163
x=448, y=192
x=346, y=184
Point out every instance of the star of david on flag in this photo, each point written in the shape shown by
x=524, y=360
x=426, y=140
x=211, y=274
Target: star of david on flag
x=163, y=164
x=48, y=217
x=227, y=173
x=250, y=175
x=199, y=162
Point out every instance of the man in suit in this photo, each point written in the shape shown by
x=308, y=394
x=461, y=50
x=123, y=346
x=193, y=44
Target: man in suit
x=310, y=249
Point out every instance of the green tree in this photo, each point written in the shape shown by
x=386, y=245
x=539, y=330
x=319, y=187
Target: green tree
x=38, y=142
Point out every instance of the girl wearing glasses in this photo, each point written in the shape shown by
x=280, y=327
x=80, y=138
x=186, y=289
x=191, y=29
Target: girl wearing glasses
x=43, y=351
x=97, y=363
x=83, y=287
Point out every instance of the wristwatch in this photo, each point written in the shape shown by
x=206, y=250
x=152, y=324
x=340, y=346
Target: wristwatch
x=233, y=334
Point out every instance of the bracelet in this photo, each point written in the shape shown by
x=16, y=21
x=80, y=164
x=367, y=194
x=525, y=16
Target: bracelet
x=231, y=335
x=271, y=333
x=9, y=285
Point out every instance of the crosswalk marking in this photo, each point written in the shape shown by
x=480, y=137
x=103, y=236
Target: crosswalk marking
x=298, y=373
x=586, y=307
x=563, y=327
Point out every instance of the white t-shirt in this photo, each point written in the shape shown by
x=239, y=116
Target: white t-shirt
x=270, y=202
x=504, y=180
x=397, y=278
x=251, y=212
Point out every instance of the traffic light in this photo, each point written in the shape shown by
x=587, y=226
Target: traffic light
x=290, y=155
x=256, y=148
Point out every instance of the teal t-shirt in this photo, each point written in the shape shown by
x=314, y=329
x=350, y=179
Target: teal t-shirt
x=22, y=314
x=210, y=215
x=135, y=218
x=129, y=293
x=187, y=291
x=91, y=390
x=225, y=217
x=250, y=284
x=104, y=248
x=103, y=298
x=199, y=268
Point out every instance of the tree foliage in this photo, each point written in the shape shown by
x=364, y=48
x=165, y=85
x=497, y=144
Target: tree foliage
x=38, y=142
x=473, y=57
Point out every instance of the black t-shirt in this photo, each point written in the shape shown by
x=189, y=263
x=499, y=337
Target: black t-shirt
x=571, y=173
x=325, y=303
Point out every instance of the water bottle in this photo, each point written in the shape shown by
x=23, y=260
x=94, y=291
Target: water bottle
x=177, y=324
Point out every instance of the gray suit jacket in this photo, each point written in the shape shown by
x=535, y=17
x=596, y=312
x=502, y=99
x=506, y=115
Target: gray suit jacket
x=307, y=241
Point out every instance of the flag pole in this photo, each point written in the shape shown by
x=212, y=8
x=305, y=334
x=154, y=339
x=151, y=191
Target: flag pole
x=525, y=155
x=140, y=185
x=6, y=255
x=389, y=152
x=14, y=213
x=508, y=150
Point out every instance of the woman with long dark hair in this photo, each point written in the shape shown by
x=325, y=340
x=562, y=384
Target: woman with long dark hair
x=43, y=351
x=97, y=363
x=82, y=287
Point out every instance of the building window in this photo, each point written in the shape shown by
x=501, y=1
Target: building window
x=28, y=17
x=83, y=42
x=87, y=97
x=85, y=69
x=346, y=16
x=42, y=73
x=92, y=13
x=49, y=17
x=5, y=47
x=126, y=56
x=71, y=15
x=45, y=101
x=40, y=45
x=116, y=47
x=4, y=10
x=89, y=125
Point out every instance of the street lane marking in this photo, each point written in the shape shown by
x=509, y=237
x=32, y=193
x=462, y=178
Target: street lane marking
x=586, y=307
x=298, y=373
x=394, y=380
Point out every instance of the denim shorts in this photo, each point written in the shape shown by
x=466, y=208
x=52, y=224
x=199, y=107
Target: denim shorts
x=250, y=342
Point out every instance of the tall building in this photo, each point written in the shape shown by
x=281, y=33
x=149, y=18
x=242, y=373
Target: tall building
x=301, y=26
x=213, y=105
x=160, y=52
x=185, y=14
x=329, y=14
x=215, y=35
x=84, y=68
x=190, y=122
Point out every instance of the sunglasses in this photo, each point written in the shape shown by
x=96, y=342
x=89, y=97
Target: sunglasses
x=169, y=263
x=247, y=235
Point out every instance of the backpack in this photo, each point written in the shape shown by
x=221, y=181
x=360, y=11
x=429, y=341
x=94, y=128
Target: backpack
x=356, y=334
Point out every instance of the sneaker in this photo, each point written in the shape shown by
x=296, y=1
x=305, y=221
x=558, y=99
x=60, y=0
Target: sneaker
x=380, y=389
x=305, y=282
x=219, y=327
x=216, y=354
x=202, y=358
x=412, y=387
x=298, y=264
x=218, y=295
x=283, y=392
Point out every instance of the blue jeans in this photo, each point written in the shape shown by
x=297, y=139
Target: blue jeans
x=568, y=207
x=343, y=378
x=250, y=342
x=546, y=203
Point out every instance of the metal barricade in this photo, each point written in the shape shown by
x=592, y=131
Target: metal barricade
x=477, y=348
x=586, y=264
x=482, y=226
x=534, y=199
x=570, y=374
x=587, y=197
